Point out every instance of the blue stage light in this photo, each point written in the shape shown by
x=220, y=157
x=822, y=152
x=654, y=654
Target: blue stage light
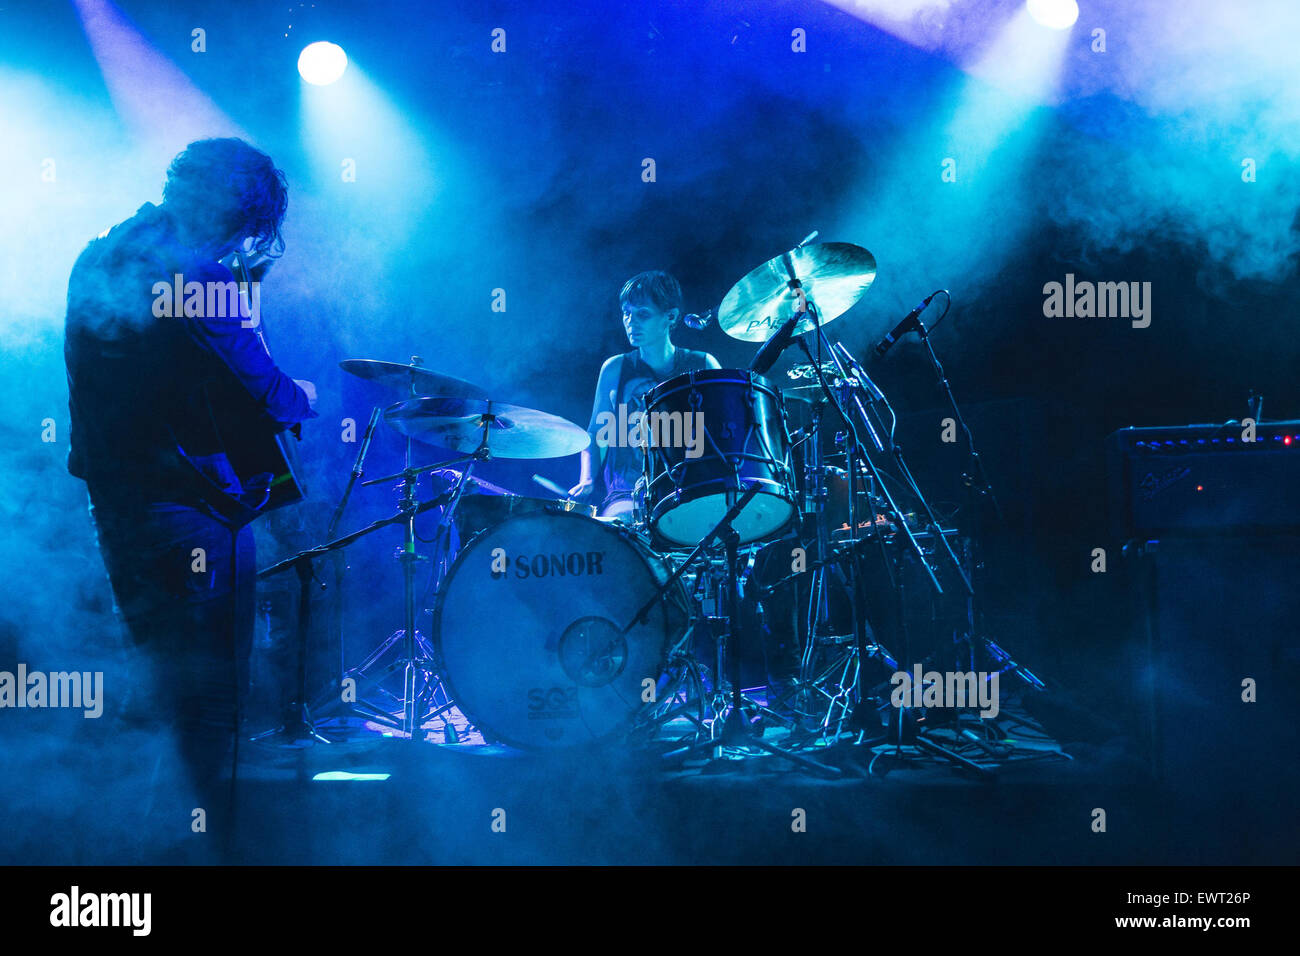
x=348, y=775
x=1057, y=14
x=322, y=63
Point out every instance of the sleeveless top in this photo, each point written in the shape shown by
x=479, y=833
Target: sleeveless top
x=624, y=464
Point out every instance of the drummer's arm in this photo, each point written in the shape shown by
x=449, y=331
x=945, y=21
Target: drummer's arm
x=710, y=361
x=593, y=456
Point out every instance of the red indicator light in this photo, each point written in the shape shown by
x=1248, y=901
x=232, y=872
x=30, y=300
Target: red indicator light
x=1200, y=487
x=1286, y=440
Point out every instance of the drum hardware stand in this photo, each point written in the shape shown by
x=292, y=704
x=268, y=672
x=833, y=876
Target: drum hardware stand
x=304, y=558
x=894, y=561
x=420, y=669
x=855, y=452
x=417, y=660
x=686, y=684
x=736, y=731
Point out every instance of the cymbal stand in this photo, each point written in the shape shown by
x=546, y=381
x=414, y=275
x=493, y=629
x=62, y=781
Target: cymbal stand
x=421, y=680
x=814, y=610
x=855, y=451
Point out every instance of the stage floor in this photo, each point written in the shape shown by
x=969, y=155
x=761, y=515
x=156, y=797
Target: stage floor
x=386, y=800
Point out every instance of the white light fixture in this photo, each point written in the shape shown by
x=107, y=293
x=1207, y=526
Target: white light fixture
x=1057, y=14
x=322, y=63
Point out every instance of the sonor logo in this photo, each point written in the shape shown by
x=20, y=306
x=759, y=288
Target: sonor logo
x=550, y=703
x=566, y=564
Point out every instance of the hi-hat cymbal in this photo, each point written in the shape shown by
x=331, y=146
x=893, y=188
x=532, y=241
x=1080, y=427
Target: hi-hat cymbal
x=513, y=431
x=833, y=275
x=412, y=379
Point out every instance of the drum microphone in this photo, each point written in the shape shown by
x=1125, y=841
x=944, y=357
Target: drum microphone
x=698, y=321
x=902, y=328
x=859, y=372
x=777, y=344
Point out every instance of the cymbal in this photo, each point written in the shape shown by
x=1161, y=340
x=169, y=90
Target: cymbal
x=412, y=379
x=833, y=275
x=811, y=394
x=513, y=431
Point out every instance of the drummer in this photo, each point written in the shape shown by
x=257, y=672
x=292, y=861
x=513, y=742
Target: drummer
x=652, y=307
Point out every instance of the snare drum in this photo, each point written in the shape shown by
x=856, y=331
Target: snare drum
x=711, y=434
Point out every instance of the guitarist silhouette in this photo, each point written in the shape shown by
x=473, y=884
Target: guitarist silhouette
x=176, y=409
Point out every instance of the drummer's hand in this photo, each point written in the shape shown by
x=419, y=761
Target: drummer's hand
x=582, y=489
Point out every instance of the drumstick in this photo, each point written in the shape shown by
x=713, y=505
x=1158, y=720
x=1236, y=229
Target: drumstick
x=551, y=486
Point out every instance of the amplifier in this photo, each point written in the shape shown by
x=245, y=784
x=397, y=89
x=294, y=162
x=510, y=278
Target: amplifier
x=1204, y=479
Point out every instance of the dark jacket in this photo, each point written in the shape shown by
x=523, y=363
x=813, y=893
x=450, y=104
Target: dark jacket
x=140, y=385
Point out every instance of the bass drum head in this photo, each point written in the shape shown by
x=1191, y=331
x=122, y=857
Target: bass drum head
x=688, y=522
x=529, y=624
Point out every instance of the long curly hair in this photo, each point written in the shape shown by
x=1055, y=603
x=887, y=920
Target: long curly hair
x=232, y=185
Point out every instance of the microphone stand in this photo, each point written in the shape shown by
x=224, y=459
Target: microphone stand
x=980, y=501
x=892, y=562
x=339, y=562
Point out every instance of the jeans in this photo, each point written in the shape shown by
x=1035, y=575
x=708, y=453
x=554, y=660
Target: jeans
x=184, y=584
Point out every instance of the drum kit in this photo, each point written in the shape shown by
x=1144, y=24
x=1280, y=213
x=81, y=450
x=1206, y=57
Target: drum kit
x=553, y=628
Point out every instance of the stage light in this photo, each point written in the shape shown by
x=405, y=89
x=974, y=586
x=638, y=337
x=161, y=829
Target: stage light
x=1057, y=14
x=348, y=775
x=322, y=63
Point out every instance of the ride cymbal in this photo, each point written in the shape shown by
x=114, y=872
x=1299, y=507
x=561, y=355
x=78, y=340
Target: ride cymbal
x=512, y=431
x=412, y=379
x=832, y=275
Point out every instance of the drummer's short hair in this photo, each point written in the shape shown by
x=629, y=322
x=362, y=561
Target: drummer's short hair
x=656, y=288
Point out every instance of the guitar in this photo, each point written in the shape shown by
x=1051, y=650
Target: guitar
x=264, y=458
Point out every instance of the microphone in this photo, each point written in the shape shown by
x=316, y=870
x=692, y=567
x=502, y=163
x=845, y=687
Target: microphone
x=902, y=328
x=359, y=468
x=859, y=372
x=774, y=346
x=697, y=321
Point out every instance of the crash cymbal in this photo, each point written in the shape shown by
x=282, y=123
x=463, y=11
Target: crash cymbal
x=833, y=275
x=412, y=379
x=810, y=394
x=513, y=431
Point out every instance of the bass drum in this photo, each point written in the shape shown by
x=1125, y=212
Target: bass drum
x=529, y=629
